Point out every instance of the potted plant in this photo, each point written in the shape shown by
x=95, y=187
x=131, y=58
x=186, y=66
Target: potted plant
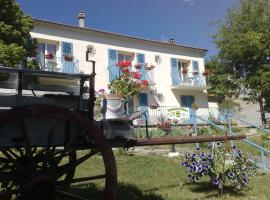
x=138, y=66
x=205, y=72
x=128, y=84
x=184, y=70
x=149, y=66
x=49, y=56
x=195, y=106
x=154, y=106
x=68, y=57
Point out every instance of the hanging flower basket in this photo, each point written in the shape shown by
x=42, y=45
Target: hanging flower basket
x=68, y=58
x=49, y=56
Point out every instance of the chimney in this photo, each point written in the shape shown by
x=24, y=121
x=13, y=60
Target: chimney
x=171, y=41
x=81, y=17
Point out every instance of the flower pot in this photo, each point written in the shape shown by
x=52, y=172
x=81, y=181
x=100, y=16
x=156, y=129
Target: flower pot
x=205, y=73
x=138, y=66
x=153, y=106
x=114, y=106
x=184, y=71
x=68, y=58
x=149, y=67
x=49, y=56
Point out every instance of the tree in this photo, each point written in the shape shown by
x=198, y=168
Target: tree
x=16, y=44
x=242, y=65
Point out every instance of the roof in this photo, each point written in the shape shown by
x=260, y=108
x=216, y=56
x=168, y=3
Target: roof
x=52, y=24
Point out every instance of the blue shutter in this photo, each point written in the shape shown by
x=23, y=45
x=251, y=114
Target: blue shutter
x=143, y=102
x=141, y=59
x=113, y=69
x=195, y=66
x=67, y=49
x=174, y=72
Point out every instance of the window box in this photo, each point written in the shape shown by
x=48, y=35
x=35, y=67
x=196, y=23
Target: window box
x=68, y=58
x=138, y=66
x=49, y=56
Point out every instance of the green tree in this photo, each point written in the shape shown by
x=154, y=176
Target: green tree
x=16, y=44
x=242, y=65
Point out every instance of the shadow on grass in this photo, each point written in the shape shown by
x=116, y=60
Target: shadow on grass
x=124, y=192
x=206, y=187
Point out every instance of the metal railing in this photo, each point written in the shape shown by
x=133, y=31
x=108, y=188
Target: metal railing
x=181, y=114
x=57, y=64
x=192, y=79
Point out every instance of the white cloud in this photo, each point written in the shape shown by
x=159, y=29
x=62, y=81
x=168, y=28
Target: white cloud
x=190, y=2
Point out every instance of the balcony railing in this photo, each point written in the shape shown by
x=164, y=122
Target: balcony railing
x=57, y=64
x=191, y=80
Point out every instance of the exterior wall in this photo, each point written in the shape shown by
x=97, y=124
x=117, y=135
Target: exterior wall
x=162, y=71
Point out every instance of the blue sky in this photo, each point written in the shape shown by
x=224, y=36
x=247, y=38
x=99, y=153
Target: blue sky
x=187, y=21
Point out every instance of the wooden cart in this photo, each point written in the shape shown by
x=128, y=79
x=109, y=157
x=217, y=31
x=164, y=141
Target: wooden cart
x=45, y=119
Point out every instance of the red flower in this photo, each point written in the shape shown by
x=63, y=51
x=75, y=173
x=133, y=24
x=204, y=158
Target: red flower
x=135, y=75
x=123, y=64
x=125, y=70
x=145, y=82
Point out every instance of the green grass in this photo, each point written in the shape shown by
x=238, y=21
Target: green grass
x=154, y=177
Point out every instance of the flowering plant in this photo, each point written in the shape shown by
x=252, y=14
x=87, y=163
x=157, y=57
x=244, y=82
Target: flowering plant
x=209, y=163
x=205, y=72
x=49, y=56
x=68, y=57
x=184, y=70
x=166, y=126
x=129, y=83
x=100, y=94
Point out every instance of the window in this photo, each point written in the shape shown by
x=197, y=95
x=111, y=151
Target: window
x=183, y=68
x=187, y=101
x=45, y=53
x=125, y=56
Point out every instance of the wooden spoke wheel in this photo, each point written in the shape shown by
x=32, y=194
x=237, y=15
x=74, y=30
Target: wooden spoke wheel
x=38, y=146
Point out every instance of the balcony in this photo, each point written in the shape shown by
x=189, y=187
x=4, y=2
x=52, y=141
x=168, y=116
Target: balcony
x=57, y=64
x=190, y=81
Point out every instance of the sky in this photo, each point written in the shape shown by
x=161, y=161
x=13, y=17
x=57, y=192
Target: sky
x=187, y=21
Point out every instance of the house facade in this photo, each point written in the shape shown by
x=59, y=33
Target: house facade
x=176, y=78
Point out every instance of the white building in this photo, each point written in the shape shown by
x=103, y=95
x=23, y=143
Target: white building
x=170, y=86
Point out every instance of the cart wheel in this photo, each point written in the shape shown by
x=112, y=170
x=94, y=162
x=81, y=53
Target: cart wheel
x=34, y=165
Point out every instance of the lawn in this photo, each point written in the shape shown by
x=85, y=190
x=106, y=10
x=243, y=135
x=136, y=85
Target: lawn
x=153, y=177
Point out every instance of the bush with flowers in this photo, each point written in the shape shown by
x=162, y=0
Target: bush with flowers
x=129, y=83
x=210, y=163
x=165, y=126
